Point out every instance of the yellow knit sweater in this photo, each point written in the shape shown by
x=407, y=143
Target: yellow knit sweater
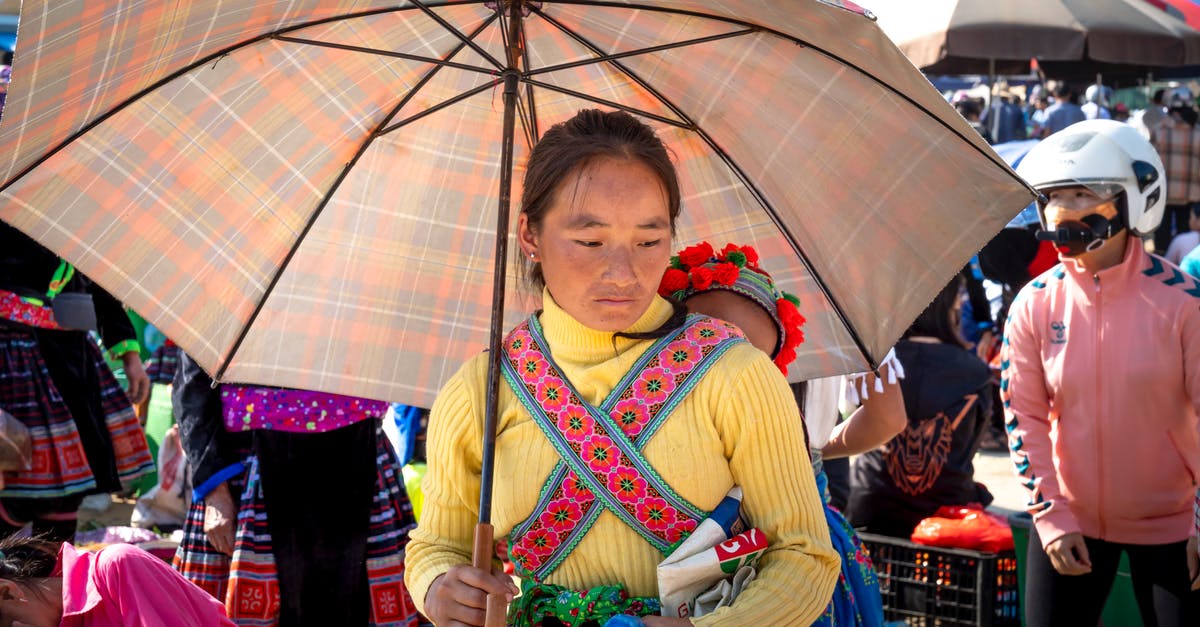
x=739, y=426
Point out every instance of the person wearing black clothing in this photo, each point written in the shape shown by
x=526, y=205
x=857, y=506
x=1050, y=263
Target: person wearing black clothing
x=316, y=521
x=53, y=378
x=948, y=402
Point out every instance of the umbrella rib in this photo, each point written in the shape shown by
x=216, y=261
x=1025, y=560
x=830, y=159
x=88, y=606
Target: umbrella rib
x=689, y=123
x=526, y=116
x=641, y=51
x=389, y=53
x=437, y=68
x=469, y=41
x=515, y=62
x=442, y=105
x=610, y=103
x=766, y=29
x=329, y=196
x=532, y=132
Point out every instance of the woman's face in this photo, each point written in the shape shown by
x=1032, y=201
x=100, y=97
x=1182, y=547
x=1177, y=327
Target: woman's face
x=1069, y=207
x=603, y=243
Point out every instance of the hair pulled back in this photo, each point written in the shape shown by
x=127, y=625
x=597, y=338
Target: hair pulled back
x=23, y=559
x=568, y=147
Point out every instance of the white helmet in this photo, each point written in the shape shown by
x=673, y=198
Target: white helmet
x=1099, y=94
x=1178, y=97
x=1105, y=156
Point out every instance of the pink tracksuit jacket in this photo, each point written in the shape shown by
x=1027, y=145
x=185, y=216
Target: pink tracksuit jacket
x=1101, y=390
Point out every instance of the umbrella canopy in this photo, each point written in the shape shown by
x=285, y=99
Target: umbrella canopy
x=1070, y=39
x=1187, y=10
x=303, y=193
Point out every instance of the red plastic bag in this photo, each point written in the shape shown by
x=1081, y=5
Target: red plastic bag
x=965, y=527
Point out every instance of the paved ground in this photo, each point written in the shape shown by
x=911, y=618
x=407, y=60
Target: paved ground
x=995, y=470
x=115, y=515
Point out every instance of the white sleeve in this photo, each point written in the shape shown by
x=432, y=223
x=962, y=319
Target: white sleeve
x=821, y=412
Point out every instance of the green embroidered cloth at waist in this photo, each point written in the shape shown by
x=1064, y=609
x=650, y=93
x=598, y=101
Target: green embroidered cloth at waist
x=575, y=608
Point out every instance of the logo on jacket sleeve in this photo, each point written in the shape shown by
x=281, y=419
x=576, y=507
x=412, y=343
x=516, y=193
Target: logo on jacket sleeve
x=1058, y=332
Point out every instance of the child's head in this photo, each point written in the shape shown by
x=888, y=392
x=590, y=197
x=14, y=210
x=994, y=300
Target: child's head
x=29, y=592
x=729, y=285
x=1194, y=217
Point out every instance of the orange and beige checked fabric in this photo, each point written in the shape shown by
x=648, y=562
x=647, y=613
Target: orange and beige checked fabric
x=1178, y=144
x=176, y=151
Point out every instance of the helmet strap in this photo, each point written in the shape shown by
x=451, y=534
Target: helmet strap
x=1090, y=232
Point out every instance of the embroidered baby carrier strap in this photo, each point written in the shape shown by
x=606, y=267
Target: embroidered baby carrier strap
x=602, y=466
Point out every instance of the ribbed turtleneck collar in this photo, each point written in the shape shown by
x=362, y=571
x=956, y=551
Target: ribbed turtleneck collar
x=570, y=340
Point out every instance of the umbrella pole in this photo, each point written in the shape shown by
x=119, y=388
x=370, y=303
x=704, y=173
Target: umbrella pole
x=484, y=539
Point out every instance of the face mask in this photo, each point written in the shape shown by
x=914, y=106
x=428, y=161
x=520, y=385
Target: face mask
x=1075, y=237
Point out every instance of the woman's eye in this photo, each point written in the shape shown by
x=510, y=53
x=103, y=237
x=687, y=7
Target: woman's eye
x=651, y=244
x=587, y=244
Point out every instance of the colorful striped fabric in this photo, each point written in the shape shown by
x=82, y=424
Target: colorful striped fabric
x=248, y=583
x=177, y=152
x=60, y=465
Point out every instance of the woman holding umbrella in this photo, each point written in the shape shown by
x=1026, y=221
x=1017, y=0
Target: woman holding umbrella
x=624, y=421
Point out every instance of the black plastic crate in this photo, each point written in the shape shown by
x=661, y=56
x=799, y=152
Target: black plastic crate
x=928, y=586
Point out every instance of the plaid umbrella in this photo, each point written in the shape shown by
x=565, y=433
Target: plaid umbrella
x=304, y=193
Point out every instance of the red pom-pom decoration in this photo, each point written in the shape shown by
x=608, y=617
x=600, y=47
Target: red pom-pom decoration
x=725, y=273
x=673, y=281
x=786, y=355
x=699, y=254
x=702, y=278
x=793, y=337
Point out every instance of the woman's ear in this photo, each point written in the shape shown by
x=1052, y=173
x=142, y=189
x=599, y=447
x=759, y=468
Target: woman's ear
x=11, y=591
x=526, y=238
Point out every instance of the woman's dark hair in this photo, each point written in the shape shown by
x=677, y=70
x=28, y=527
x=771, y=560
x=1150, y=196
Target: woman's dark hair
x=937, y=319
x=570, y=146
x=24, y=559
x=1187, y=114
x=967, y=108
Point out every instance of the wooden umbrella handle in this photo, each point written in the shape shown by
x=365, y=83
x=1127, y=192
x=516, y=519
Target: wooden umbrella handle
x=481, y=558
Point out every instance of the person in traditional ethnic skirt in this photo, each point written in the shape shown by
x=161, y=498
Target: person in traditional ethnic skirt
x=623, y=420
x=299, y=515
x=54, y=379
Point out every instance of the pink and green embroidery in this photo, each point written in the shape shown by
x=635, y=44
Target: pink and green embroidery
x=602, y=466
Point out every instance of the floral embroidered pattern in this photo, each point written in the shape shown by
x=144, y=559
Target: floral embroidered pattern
x=604, y=443
x=14, y=308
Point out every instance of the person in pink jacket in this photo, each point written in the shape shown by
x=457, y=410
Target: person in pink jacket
x=118, y=586
x=1101, y=387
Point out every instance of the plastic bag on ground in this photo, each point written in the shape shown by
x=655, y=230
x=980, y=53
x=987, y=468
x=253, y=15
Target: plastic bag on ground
x=166, y=504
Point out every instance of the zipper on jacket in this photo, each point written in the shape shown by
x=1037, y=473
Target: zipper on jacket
x=1099, y=423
